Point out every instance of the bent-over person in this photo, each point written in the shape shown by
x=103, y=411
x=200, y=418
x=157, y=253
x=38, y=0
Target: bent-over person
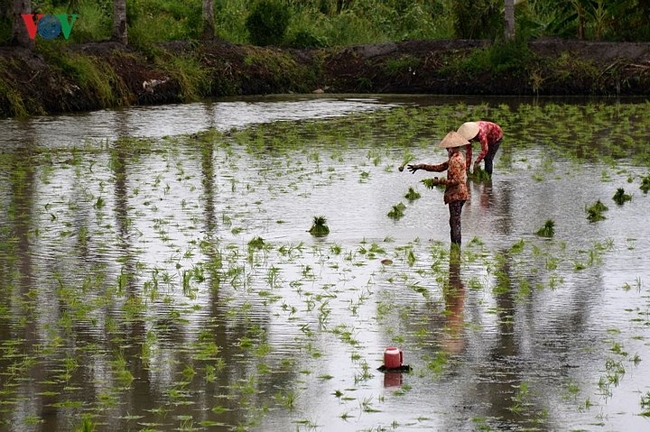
x=489, y=135
x=456, y=182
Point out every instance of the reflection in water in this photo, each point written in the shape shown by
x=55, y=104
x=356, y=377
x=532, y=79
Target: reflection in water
x=168, y=120
x=17, y=275
x=454, y=294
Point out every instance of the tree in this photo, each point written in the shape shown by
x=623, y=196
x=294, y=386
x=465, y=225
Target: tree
x=19, y=35
x=510, y=19
x=119, y=22
x=478, y=19
x=208, y=19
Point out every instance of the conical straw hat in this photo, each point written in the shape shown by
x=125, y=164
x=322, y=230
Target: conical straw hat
x=453, y=139
x=468, y=130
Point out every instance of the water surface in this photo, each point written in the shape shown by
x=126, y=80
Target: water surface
x=171, y=284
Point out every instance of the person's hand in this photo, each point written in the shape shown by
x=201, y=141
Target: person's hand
x=476, y=165
x=412, y=168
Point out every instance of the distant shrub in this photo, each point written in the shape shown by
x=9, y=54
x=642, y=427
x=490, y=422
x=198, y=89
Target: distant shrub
x=306, y=39
x=478, y=19
x=267, y=23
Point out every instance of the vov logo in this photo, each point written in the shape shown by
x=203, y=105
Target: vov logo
x=49, y=26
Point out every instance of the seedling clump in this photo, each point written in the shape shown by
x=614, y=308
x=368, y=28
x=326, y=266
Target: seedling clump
x=620, y=196
x=412, y=194
x=429, y=182
x=478, y=175
x=548, y=230
x=408, y=157
x=595, y=212
x=645, y=184
x=319, y=227
x=397, y=211
x=257, y=243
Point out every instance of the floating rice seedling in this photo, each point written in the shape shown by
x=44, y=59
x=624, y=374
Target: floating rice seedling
x=595, y=211
x=620, y=197
x=645, y=183
x=397, y=211
x=548, y=230
x=319, y=227
x=412, y=195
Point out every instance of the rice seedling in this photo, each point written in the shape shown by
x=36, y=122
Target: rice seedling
x=406, y=159
x=87, y=424
x=548, y=230
x=122, y=374
x=518, y=247
x=645, y=405
x=573, y=389
x=429, y=183
x=645, y=183
x=397, y=211
x=319, y=227
x=595, y=211
x=520, y=399
x=438, y=363
x=367, y=407
x=620, y=197
x=478, y=175
x=412, y=195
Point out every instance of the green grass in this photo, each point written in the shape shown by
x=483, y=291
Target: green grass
x=95, y=77
x=13, y=101
x=190, y=74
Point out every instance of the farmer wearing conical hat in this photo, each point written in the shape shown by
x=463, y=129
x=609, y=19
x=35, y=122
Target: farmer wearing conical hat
x=456, y=183
x=489, y=135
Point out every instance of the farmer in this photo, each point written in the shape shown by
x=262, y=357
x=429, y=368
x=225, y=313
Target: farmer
x=489, y=135
x=456, y=183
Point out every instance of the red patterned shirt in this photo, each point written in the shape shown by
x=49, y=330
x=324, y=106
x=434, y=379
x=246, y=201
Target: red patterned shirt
x=488, y=134
x=456, y=182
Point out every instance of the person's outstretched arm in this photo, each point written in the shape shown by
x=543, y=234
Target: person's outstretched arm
x=425, y=167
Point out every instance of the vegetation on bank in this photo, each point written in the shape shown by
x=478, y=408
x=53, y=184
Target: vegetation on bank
x=76, y=74
x=320, y=23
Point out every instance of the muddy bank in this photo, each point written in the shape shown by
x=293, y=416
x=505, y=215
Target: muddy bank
x=105, y=74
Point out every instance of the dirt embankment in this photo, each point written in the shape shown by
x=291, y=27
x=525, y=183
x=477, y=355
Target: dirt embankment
x=33, y=83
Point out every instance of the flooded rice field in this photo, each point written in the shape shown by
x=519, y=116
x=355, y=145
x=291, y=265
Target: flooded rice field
x=157, y=272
